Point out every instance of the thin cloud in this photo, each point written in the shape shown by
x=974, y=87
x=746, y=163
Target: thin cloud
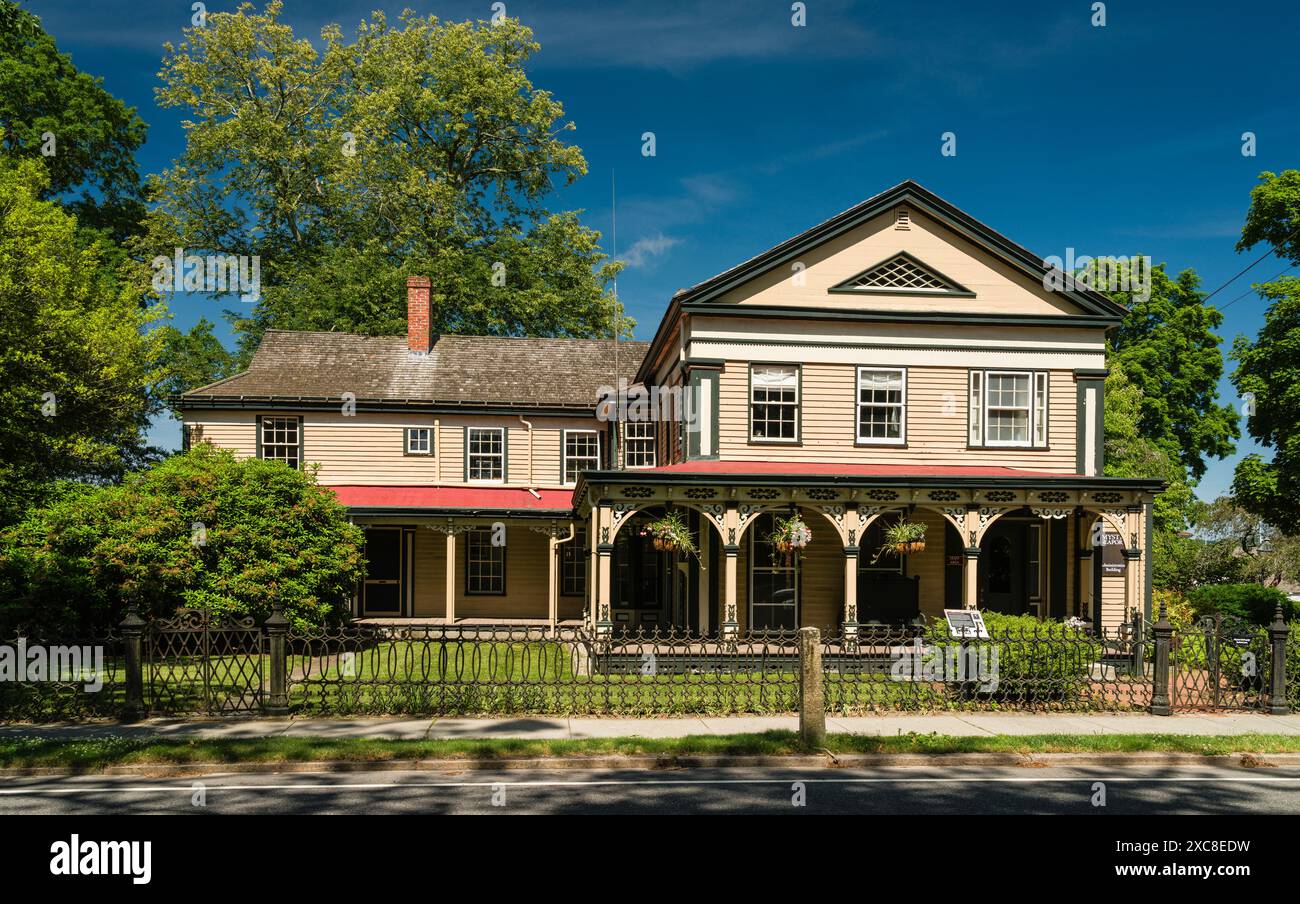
x=645, y=249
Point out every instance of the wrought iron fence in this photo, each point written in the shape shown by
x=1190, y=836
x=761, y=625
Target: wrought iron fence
x=197, y=663
x=925, y=669
x=465, y=670
x=52, y=678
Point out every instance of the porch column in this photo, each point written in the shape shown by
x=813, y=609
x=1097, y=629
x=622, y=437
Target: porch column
x=703, y=577
x=852, y=526
x=970, y=596
x=604, y=573
x=552, y=581
x=1133, y=559
x=1084, y=527
x=451, y=573
x=731, y=550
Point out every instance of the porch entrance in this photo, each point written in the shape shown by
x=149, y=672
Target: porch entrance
x=1010, y=567
x=651, y=587
x=381, y=589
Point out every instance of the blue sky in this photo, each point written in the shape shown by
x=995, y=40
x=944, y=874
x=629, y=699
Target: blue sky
x=1123, y=139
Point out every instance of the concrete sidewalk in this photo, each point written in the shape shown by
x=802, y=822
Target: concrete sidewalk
x=560, y=727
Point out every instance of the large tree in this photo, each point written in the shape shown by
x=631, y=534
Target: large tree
x=1268, y=369
x=77, y=350
x=1168, y=350
x=417, y=149
x=85, y=137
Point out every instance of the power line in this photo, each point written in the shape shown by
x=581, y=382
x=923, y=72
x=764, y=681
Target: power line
x=1252, y=289
x=1257, y=260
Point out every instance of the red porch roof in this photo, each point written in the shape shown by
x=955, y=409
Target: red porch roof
x=446, y=498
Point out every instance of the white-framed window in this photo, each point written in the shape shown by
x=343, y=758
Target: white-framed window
x=573, y=565
x=1008, y=408
x=485, y=454
x=419, y=440
x=485, y=564
x=281, y=440
x=882, y=405
x=581, y=453
x=774, y=403
x=639, y=444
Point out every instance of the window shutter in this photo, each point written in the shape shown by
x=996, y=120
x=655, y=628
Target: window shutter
x=976, y=408
x=1040, y=409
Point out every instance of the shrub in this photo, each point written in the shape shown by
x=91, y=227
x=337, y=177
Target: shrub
x=200, y=529
x=1036, y=659
x=1254, y=603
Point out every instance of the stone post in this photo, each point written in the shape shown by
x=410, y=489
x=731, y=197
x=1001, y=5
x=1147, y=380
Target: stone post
x=812, y=696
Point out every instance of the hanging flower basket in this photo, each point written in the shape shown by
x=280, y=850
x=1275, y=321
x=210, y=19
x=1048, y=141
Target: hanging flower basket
x=790, y=538
x=906, y=538
x=670, y=533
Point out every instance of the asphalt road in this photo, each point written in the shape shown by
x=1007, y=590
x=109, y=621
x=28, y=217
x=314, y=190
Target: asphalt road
x=924, y=790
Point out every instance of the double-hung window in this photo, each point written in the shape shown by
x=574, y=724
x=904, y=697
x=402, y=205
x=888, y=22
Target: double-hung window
x=774, y=403
x=485, y=564
x=281, y=440
x=882, y=405
x=1008, y=408
x=639, y=444
x=581, y=453
x=419, y=440
x=485, y=454
x=573, y=565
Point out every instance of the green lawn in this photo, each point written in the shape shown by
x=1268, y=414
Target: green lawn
x=97, y=753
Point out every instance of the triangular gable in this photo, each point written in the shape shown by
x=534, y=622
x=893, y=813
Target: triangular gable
x=902, y=274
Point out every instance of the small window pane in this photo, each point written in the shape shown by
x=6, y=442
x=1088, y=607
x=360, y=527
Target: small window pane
x=485, y=454
x=280, y=440
x=485, y=564
x=581, y=453
x=419, y=441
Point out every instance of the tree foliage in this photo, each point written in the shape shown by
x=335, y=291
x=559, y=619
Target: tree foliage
x=76, y=349
x=44, y=99
x=416, y=149
x=1168, y=349
x=201, y=529
x=1268, y=368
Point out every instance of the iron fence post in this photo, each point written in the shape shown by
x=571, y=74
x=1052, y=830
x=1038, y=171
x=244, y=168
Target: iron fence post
x=812, y=696
x=1277, y=635
x=1163, y=632
x=132, y=632
x=277, y=626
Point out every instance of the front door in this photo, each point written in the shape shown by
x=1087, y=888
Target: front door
x=381, y=590
x=1002, y=566
x=642, y=579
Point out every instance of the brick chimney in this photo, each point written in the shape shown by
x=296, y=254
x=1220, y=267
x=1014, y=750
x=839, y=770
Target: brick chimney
x=418, y=337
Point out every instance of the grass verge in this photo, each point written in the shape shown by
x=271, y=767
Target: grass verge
x=97, y=753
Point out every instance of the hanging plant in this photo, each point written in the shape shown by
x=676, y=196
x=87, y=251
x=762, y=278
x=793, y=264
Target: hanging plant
x=670, y=533
x=906, y=538
x=790, y=538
